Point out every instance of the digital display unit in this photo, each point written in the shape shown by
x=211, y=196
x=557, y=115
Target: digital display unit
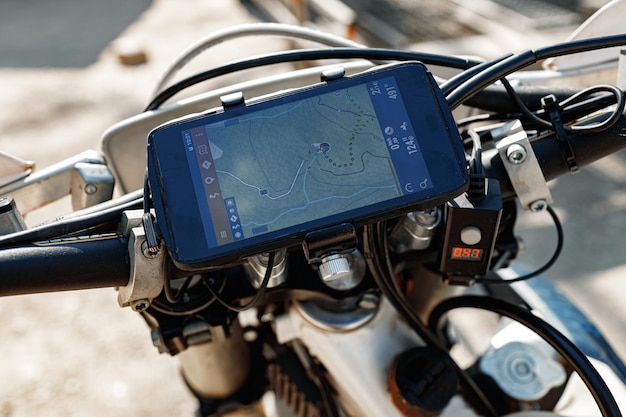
x=238, y=181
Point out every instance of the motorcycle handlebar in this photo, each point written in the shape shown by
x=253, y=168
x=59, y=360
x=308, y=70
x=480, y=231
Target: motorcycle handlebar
x=587, y=148
x=98, y=262
x=69, y=264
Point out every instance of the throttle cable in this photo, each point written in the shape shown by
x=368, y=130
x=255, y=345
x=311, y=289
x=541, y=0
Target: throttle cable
x=374, y=54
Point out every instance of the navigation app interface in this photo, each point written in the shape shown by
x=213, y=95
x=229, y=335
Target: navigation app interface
x=304, y=160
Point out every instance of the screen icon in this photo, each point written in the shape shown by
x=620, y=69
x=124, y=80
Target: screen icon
x=203, y=149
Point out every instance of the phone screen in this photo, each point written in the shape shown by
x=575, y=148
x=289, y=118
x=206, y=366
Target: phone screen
x=305, y=160
x=260, y=176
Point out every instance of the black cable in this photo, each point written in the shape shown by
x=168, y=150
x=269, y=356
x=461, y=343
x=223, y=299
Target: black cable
x=187, y=310
x=167, y=290
x=508, y=65
x=620, y=99
x=146, y=192
x=546, y=266
x=379, y=265
x=565, y=347
x=532, y=117
x=491, y=74
x=310, y=54
x=260, y=292
x=72, y=224
x=454, y=82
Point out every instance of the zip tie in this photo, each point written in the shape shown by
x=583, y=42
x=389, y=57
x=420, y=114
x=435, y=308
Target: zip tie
x=553, y=110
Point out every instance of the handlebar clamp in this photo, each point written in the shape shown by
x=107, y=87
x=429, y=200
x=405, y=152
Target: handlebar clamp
x=523, y=168
x=147, y=268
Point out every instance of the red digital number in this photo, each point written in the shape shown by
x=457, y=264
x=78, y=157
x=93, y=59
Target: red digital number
x=461, y=253
x=457, y=252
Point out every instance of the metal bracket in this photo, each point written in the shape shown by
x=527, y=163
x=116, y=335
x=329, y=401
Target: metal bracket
x=523, y=169
x=341, y=238
x=13, y=169
x=85, y=176
x=92, y=183
x=147, y=269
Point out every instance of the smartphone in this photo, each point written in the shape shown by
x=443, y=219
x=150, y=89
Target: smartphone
x=251, y=178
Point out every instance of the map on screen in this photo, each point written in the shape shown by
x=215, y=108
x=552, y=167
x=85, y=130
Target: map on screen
x=303, y=160
x=295, y=162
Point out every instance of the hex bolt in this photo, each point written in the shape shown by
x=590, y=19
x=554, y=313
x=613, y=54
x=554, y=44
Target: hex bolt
x=538, y=206
x=516, y=153
x=140, y=305
x=90, y=189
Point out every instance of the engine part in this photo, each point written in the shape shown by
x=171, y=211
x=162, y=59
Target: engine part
x=338, y=316
x=288, y=379
x=256, y=268
x=218, y=368
x=351, y=357
x=415, y=231
x=523, y=371
x=422, y=381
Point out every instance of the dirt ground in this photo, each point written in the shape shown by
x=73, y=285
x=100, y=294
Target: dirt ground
x=74, y=354
x=79, y=353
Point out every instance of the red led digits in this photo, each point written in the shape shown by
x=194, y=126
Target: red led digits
x=460, y=253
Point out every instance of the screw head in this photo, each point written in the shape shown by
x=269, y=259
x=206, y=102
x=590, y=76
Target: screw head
x=516, y=153
x=538, y=206
x=140, y=305
x=90, y=189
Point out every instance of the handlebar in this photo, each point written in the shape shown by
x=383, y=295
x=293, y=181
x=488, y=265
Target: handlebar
x=103, y=260
x=587, y=149
x=63, y=265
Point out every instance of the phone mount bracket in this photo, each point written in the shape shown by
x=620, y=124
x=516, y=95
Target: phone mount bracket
x=232, y=100
x=329, y=241
x=523, y=169
x=333, y=252
x=333, y=74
